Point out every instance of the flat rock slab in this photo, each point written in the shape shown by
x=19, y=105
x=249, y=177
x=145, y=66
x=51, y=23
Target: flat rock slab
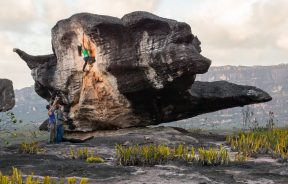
x=132, y=136
x=55, y=161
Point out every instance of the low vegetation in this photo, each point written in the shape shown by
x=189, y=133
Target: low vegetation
x=94, y=159
x=85, y=154
x=160, y=154
x=213, y=156
x=80, y=153
x=30, y=148
x=273, y=142
x=18, y=178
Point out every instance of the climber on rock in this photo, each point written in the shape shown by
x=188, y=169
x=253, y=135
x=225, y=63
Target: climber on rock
x=82, y=50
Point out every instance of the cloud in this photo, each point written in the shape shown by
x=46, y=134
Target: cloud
x=11, y=67
x=282, y=42
x=235, y=32
x=269, y=15
x=15, y=15
x=27, y=25
x=116, y=7
x=251, y=32
x=56, y=10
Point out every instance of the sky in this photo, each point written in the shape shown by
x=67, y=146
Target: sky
x=232, y=32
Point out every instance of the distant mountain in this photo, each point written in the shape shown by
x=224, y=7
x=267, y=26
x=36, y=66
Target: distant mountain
x=29, y=106
x=272, y=79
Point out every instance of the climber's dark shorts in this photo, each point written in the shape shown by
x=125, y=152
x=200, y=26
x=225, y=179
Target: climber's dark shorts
x=89, y=59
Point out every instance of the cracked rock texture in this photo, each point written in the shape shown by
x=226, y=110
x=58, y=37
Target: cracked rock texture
x=7, y=97
x=144, y=72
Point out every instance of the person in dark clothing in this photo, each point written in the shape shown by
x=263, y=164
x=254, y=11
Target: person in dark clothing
x=59, y=123
x=52, y=120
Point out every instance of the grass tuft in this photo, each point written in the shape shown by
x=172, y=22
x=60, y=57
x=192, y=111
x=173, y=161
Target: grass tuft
x=94, y=159
x=273, y=142
x=30, y=148
x=160, y=154
x=17, y=178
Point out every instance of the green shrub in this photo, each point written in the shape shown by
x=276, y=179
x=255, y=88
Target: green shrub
x=261, y=141
x=71, y=180
x=95, y=159
x=30, y=148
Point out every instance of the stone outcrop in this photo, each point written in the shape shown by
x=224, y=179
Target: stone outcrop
x=143, y=75
x=7, y=98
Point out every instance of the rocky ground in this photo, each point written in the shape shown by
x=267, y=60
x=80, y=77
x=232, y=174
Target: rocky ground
x=55, y=161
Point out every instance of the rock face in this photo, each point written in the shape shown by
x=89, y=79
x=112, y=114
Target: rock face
x=143, y=75
x=7, y=98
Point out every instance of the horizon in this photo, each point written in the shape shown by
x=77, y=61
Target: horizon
x=236, y=33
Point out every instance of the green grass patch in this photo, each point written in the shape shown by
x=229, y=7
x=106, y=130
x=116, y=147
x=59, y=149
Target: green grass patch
x=80, y=153
x=85, y=154
x=18, y=178
x=273, y=142
x=161, y=154
x=30, y=148
x=213, y=156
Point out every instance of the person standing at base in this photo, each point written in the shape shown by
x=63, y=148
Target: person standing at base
x=59, y=123
x=52, y=120
x=51, y=124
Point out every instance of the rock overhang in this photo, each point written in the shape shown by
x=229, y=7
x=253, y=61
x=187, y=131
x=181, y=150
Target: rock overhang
x=144, y=72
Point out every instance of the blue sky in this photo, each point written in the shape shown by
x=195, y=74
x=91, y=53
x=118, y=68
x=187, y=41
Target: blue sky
x=232, y=32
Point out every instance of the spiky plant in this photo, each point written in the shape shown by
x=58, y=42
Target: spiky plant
x=259, y=141
x=84, y=181
x=71, y=180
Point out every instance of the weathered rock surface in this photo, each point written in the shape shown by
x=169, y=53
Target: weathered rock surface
x=56, y=161
x=7, y=98
x=144, y=72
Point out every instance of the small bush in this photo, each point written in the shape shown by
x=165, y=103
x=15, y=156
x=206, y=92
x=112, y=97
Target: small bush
x=261, y=141
x=30, y=148
x=80, y=153
x=95, y=159
x=71, y=180
x=84, y=181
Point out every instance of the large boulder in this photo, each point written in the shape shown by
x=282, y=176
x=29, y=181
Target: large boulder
x=144, y=72
x=7, y=97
